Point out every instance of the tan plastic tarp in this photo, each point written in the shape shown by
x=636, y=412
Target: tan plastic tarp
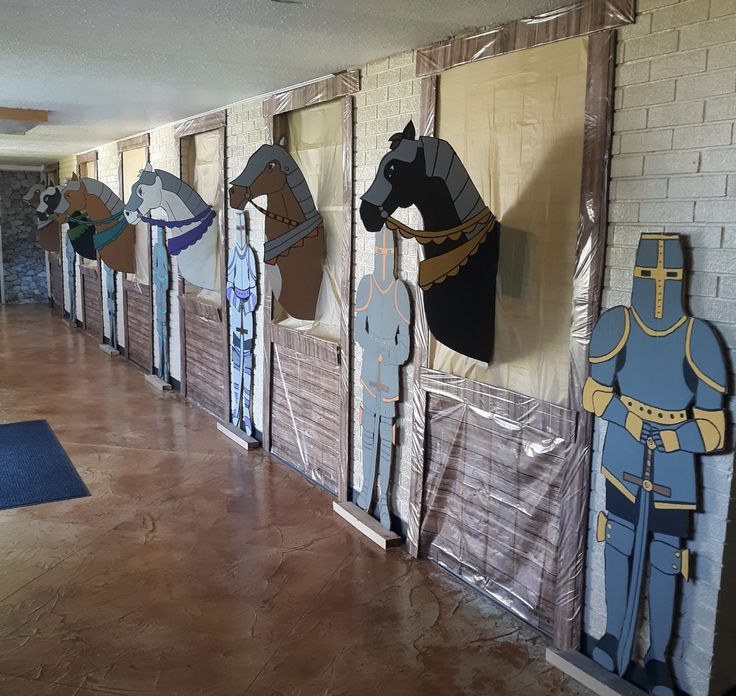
x=315, y=140
x=202, y=162
x=517, y=123
x=133, y=162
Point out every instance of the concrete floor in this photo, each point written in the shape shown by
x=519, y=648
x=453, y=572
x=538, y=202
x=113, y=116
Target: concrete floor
x=197, y=570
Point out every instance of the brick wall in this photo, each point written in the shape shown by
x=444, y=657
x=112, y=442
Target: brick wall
x=674, y=170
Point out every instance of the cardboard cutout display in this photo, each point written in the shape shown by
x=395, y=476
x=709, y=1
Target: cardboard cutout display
x=112, y=306
x=192, y=221
x=460, y=239
x=242, y=298
x=79, y=232
x=382, y=329
x=657, y=376
x=161, y=283
x=101, y=211
x=48, y=228
x=71, y=278
x=295, y=235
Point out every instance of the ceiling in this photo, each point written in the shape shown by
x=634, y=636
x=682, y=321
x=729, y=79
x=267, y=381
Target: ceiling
x=108, y=70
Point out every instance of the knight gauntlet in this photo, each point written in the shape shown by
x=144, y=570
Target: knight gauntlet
x=599, y=399
x=703, y=433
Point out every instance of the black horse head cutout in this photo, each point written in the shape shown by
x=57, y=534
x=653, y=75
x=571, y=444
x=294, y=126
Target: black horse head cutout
x=460, y=237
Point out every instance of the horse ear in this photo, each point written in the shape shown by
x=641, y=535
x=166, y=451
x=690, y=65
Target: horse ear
x=75, y=177
x=148, y=167
x=409, y=132
x=283, y=141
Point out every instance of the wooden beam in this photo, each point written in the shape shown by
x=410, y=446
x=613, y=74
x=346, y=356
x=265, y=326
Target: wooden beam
x=7, y=114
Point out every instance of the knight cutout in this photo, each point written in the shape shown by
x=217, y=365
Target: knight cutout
x=382, y=324
x=658, y=377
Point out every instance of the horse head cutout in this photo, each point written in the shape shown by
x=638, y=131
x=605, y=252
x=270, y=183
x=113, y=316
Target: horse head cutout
x=292, y=225
x=47, y=228
x=100, y=209
x=460, y=237
x=192, y=221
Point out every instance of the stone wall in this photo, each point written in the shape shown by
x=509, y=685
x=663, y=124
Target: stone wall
x=23, y=262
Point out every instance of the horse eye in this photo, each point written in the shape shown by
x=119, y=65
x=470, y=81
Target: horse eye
x=140, y=191
x=390, y=171
x=272, y=165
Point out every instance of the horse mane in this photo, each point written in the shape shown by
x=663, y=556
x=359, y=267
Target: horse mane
x=441, y=161
x=104, y=193
x=189, y=197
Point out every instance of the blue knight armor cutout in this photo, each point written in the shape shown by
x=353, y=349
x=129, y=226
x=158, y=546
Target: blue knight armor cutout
x=161, y=283
x=71, y=263
x=382, y=318
x=658, y=377
x=242, y=297
x=112, y=309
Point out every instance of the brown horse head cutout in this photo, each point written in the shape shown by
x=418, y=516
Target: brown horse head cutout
x=295, y=236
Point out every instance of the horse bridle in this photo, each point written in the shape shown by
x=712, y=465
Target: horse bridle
x=438, y=268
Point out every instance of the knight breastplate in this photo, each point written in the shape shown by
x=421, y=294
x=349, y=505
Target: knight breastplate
x=380, y=373
x=656, y=390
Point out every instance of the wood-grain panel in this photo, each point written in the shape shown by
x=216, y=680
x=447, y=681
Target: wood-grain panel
x=305, y=425
x=206, y=374
x=92, y=302
x=492, y=506
x=138, y=324
x=57, y=285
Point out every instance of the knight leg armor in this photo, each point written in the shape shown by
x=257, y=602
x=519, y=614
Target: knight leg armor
x=386, y=431
x=618, y=535
x=246, y=385
x=236, y=358
x=666, y=563
x=370, y=441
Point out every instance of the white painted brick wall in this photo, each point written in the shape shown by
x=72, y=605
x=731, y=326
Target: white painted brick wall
x=673, y=170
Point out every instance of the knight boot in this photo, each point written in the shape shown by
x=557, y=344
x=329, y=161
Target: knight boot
x=618, y=535
x=369, y=459
x=386, y=459
x=666, y=561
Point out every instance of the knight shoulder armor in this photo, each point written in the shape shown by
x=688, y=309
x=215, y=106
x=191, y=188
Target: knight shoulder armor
x=704, y=355
x=610, y=334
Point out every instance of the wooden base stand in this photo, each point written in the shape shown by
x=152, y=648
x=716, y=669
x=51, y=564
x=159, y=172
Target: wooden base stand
x=590, y=674
x=109, y=350
x=367, y=525
x=238, y=436
x=156, y=381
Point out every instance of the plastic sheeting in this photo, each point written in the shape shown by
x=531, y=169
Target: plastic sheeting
x=517, y=124
x=202, y=163
x=315, y=141
x=133, y=162
x=500, y=454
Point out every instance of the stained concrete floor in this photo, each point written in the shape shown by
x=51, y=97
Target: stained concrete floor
x=197, y=570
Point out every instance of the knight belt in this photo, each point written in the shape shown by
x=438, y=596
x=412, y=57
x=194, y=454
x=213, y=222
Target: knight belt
x=652, y=413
